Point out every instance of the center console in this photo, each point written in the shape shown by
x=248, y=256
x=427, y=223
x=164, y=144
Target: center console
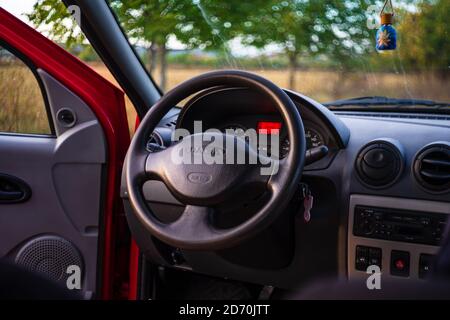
x=401, y=236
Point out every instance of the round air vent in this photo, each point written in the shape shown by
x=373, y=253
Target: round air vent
x=432, y=168
x=379, y=164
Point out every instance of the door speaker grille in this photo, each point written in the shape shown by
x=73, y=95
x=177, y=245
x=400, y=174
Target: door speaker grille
x=50, y=256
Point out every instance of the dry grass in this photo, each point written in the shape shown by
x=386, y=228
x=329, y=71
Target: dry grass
x=327, y=86
x=22, y=109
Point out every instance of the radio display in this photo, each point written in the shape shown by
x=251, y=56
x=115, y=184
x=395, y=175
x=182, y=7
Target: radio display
x=410, y=231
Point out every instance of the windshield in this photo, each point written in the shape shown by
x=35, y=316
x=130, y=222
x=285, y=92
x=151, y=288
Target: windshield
x=326, y=49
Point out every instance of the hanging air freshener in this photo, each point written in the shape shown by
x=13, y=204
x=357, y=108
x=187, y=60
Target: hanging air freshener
x=386, y=34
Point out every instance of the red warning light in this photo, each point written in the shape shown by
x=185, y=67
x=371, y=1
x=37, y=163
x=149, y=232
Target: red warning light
x=269, y=127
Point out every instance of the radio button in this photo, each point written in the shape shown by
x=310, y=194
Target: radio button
x=361, y=258
x=375, y=257
x=425, y=264
x=367, y=256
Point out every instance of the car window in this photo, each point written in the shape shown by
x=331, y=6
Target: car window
x=22, y=105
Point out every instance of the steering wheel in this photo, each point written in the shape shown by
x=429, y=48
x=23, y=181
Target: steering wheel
x=202, y=187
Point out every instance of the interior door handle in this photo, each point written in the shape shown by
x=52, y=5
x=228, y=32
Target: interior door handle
x=10, y=195
x=13, y=190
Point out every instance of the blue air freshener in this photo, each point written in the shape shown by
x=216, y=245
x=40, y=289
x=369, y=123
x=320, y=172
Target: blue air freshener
x=386, y=35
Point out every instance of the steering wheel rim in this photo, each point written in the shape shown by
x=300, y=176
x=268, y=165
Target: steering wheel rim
x=193, y=231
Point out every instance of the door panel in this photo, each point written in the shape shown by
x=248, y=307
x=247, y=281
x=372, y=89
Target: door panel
x=65, y=177
x=73, y=175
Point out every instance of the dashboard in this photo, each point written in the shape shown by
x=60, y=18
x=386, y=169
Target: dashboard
x=387, y=166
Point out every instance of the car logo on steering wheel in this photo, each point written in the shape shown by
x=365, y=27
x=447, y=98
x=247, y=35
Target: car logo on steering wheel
x=199, y=178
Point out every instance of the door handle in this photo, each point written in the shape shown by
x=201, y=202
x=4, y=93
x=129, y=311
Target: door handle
x=10, y=195
x=13, y=190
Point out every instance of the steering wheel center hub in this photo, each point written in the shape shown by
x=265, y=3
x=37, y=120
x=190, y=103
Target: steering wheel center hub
x=206, y=168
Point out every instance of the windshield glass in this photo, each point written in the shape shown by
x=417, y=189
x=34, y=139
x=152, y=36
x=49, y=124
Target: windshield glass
x=324, y=49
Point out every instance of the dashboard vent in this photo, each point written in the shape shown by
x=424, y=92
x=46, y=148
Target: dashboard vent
x=432, y=168
x=379, y=164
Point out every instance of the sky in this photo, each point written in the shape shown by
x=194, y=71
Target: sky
x=18, y=7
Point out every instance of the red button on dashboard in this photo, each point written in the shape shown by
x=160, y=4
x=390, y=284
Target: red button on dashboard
x=400, y=264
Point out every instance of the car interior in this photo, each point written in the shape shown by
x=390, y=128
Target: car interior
x=355, y=187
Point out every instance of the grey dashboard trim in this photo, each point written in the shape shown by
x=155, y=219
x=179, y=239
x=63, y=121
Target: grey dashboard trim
x=387, y=246
x=61, y=98
x=333, y=122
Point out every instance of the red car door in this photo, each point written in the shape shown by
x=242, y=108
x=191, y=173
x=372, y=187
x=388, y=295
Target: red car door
x=59, y=202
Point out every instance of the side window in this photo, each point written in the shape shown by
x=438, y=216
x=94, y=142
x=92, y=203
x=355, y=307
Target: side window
x=22, y=105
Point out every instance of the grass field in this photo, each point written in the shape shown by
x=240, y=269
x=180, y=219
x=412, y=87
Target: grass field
x=21, y=108
x=326, y=85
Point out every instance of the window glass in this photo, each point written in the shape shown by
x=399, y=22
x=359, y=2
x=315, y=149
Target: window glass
x=22, y=106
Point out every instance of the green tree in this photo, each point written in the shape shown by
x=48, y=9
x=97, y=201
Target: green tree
x=211, y=24
x=151, y=23
x=56, y=19
x=205, y=24
x=424, y=37
x=328, y=28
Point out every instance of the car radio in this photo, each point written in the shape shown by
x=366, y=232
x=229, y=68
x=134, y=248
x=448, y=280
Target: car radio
x=399, y=225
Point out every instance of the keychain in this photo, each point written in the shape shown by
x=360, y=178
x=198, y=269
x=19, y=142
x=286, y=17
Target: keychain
x=308, y=204
x=308, y=201
x=386, y=34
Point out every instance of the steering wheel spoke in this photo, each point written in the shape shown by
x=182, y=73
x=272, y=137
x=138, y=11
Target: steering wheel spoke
x=193, y=226
x=277, y=179
x=154, y=164
x=266, y=171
